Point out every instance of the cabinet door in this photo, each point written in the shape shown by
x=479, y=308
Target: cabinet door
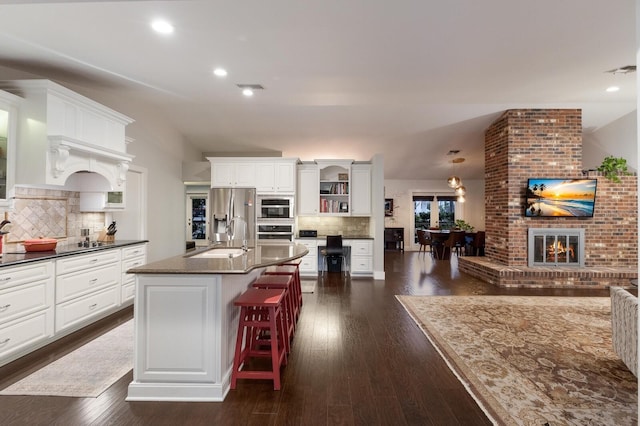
x=245, y=175
x=285, y=177
x=265, y=177
x=308, y=190
x=361, y=190
x=222, y=174
x=8, y=123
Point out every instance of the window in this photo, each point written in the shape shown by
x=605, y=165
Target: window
x=446, y=211
x=422, y=210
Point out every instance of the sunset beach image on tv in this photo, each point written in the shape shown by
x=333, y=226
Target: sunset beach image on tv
x=560, y=197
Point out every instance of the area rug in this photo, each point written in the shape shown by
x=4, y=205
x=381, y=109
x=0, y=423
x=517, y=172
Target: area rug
x=308, y=286
x=532, y=360
x=86, y=372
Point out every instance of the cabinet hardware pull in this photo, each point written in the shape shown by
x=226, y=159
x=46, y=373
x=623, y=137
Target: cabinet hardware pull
x=5, y=279
x=93, y=281
x=93, y=260
x=5, y=307
x=93, y=306
x=5, y=341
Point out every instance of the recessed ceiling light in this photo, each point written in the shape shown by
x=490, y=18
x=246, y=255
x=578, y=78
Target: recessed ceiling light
x=613, y=89
x=220, y=72
x=162, y=27
x=247, y=92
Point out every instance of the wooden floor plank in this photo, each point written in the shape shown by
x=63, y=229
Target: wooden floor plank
x=357, y=358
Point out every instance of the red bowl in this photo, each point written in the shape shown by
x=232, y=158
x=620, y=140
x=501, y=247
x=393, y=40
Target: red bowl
x=40, y=244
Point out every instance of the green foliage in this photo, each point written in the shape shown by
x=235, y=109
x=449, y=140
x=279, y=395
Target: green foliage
x=613, y=167
x=461, y=224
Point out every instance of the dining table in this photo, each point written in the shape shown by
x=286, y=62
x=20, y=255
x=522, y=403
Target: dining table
x=438, y=237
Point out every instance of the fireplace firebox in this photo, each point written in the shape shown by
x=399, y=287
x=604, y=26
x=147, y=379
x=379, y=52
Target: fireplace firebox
x=556, y=247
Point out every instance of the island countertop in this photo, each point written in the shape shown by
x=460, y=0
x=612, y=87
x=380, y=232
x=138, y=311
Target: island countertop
x=260, y=254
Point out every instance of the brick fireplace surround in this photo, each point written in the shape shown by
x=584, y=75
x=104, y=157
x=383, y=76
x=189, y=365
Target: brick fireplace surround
x=548, y=143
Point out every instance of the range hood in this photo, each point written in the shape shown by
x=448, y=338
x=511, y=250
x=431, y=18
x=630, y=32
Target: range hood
x=61, y=133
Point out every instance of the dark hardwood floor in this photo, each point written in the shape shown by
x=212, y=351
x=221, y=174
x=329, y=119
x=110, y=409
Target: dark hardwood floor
x=357, y=359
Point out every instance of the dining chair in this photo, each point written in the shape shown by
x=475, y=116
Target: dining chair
x=477, y=245
x=424, y=240
x=456, y=242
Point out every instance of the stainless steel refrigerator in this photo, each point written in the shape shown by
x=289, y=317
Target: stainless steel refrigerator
x=232, y=214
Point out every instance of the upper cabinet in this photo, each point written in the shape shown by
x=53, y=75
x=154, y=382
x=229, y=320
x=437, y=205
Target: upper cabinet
x=268, y=175
x=61, y=132
x=335, y=186
x=361, y=189
x=308, y=189
x=8, y=123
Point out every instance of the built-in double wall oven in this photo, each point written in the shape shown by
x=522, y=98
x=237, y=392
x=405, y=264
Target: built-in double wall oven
x=275, y=217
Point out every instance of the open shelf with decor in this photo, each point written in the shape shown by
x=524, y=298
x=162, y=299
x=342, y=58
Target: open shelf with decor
x=335, y=187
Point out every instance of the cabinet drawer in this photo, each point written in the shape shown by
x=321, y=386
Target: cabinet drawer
x=133, y=251
x=25, y=299
x=17, y=275
x=361, y=247
x=82, y=262
x=311, y=245
x=73, y=285
x=70, y=313
x=19, y=335
x=361, y=264
x=309, y=263
x=132, y=263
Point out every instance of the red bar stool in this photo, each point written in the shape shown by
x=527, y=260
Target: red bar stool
x=295, y=264
x=260, y=313
x=283, y=282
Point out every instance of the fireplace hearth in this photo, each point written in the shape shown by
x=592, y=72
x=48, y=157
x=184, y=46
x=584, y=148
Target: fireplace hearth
x=556, y=247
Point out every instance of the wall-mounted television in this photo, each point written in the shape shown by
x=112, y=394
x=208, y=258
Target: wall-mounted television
x=560, y=197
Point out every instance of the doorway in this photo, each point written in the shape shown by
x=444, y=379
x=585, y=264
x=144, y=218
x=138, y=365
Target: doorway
x=197, y=223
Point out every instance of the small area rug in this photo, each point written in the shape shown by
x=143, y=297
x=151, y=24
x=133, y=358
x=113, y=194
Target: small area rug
x=532, y=360
x=308, y=286
x=86, y=372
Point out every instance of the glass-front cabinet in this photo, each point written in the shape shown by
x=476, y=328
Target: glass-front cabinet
x=8, y=122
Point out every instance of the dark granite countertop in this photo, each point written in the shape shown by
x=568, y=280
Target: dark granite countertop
x=344, y=237
x=258, y=255
x=62, y=249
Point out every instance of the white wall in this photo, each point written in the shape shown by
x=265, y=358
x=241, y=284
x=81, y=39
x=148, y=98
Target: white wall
x=402, y=191
x=618, y=139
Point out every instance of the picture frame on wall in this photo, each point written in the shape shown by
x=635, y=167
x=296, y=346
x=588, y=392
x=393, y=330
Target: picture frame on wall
x=388, y=206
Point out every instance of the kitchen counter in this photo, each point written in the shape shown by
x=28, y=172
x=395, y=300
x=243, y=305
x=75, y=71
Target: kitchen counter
x=186, y=323
x=263, y=254
x=344, y=237
x=62, y=249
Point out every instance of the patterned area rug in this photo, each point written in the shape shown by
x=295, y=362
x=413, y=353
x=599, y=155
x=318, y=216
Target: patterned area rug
x=86, y=372
x=532, y=360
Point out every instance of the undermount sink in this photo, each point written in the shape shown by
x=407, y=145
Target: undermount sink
x=220, y=253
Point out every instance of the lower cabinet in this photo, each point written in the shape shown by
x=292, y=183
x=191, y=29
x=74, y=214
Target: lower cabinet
x=309, y=263
x=43, y=301
x=361, y=262
x=26, y=309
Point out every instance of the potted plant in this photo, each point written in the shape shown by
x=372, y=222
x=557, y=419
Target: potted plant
x=613, y=167
x=463, y=225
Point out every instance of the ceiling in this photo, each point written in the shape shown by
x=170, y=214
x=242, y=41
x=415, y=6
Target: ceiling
x=410, y=79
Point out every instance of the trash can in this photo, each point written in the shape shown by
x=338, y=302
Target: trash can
x=334, y=263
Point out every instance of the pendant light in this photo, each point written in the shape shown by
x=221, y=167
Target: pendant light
x=461, y=190
x=454, y=181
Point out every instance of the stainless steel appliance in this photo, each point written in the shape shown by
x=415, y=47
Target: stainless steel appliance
x=275, y=207
x=232, y=214
x=275, y=231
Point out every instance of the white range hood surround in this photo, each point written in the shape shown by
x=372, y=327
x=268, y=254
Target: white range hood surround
x=61, y=132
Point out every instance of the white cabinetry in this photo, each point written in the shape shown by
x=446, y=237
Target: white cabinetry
x=361, y=190
x=73, y=134
x=361, y=262
x=8, y=124
x=132, y=257
x=26, y=309
x=232, y=173
x=309, y=263
x=86, y=286
x=308, y=189
x=276, y=177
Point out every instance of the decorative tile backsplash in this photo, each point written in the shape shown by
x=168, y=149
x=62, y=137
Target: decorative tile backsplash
x=50, y=214
x=335, y=225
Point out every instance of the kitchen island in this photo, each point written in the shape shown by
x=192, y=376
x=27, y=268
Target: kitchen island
x=186, y=323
